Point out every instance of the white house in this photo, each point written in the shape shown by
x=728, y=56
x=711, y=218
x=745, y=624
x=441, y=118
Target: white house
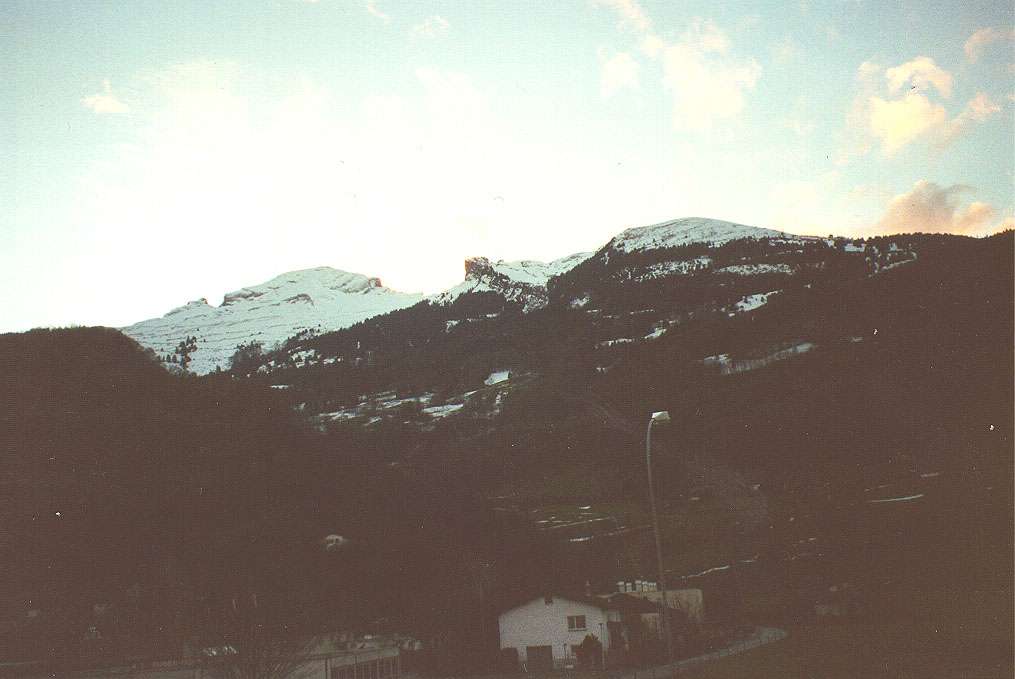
x=687, y=600
x=545, y=632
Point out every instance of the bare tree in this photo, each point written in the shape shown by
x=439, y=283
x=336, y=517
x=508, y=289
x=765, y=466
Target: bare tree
x=254, y=642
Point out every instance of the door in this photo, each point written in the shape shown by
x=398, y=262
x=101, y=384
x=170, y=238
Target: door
x=539, y=658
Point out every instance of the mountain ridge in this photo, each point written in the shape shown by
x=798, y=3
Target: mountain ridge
x=688, y=230
x=854, y=426
x=201, y=338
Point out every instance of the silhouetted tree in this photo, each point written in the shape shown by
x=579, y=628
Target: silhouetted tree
x=246, y=358
x=251, y=638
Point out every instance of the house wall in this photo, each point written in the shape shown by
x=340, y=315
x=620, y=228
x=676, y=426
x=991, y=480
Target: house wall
x=539, y=624
x=651, y=623
x=688, y=600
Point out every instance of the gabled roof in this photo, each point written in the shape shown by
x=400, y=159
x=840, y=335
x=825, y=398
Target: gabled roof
x=590, y=601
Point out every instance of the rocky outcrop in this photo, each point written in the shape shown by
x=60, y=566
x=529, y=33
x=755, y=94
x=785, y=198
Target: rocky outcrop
x=523, y=282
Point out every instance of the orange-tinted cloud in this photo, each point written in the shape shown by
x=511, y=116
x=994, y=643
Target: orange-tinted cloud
x=983, y=37
x=909, y=108
x=931, y=208
x=980, y=108
x=897, y=122
x=708, y=84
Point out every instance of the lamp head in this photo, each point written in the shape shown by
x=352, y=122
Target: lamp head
x=661, y=417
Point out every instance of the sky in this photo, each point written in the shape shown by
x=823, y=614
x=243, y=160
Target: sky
x=158, y=152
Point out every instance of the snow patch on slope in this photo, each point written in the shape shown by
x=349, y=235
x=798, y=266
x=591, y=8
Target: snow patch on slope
x=752, y=302
x=756, y=269
x=671, y=268
x=731, y=366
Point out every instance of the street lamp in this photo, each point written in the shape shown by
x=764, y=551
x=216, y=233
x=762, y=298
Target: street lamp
x=660, y=417
x=602, y=648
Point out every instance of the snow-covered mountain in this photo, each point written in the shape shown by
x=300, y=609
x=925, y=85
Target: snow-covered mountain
x=523, y=281
x=310, y=300
x=687, y=231
x=204, y=337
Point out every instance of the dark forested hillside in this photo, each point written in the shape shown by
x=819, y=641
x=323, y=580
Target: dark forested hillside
x=479, y=443
x=867, y=377
x=847, y=347
x=159, y=499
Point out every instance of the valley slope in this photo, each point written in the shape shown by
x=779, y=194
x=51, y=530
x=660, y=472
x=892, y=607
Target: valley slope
x=842, y=414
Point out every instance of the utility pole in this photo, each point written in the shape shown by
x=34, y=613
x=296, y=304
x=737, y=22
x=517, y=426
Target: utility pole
x=661, y=417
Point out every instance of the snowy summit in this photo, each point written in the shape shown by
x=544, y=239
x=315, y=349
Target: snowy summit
x=316, y=300
x=686, y=231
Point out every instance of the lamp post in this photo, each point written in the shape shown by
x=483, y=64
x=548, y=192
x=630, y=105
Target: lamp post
x=661, y=417
x=602, y=647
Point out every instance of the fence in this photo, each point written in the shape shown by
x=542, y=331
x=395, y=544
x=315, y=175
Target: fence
x=382, y=663
x=759, y=637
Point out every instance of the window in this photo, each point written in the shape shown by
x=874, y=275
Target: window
x=575, y=623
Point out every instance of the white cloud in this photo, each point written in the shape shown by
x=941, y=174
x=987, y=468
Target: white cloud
x=707, y=84
x=799, y=120
x=619, y=72
x=867, y=72
x=704, y=36
x=800, y=126
x=631, y=14
x=652, y=45
x=106, y=101
x=197, y=87
x=985, y=36
x=897, y=122
x=931, y=208
x=785, y=51
x=452, y=98
x=249, y=176
x=921, y=72
x=895, y=116
x=803, y=205
x=979, y=109
x=372, y=8
x=431, y=27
